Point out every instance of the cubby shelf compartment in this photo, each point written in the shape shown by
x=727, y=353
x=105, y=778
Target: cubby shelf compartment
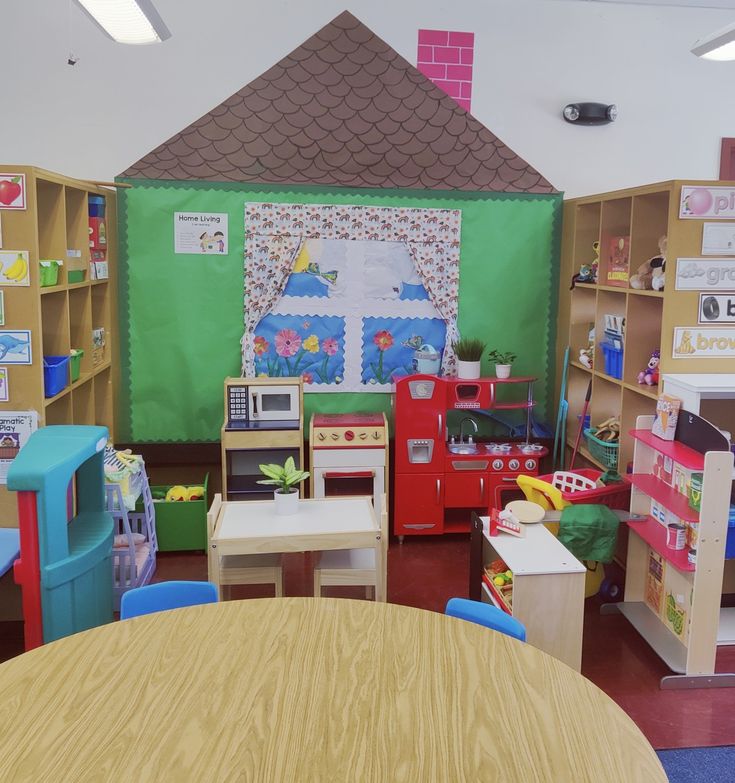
x=654, y=534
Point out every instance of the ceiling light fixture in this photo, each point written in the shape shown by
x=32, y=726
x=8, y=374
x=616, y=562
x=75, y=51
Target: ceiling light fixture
x=718, y=46
x=590, y=113
x=127, y=21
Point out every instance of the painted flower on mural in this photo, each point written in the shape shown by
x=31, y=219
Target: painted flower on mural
x=311, y=344
x=261, y=346
x=329, y=346
x=307, y=377
x=288, y=342
x=384, y=340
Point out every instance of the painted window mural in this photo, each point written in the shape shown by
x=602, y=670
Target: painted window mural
x=349, y=297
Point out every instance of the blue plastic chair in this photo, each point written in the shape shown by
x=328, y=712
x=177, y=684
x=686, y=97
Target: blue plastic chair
x=165, y=595
x=486, y=614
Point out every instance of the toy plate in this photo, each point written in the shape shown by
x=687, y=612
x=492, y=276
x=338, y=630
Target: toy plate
x=525, y=511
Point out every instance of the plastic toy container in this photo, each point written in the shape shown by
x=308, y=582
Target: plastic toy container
x=180, y=525
x=604, y=452
x=49, y=273
x=75, y=275
x=613, y=495
x=96, y=206
x=613, y=360
x=75, y=362
x=55, y=374
x=730, y=543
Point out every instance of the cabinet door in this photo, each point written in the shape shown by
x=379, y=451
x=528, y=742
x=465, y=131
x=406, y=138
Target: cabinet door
x=466, y=490
x=419, y=504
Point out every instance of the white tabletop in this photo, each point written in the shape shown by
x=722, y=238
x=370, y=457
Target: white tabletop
x=258, y=519
x=538, y=552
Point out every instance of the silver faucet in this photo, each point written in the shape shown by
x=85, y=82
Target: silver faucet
x=461, y=429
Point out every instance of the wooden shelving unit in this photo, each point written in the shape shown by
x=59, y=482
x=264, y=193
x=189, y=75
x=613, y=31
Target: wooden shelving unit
x=55, y=225
x=644, y=214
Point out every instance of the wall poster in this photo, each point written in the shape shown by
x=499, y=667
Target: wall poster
x=12, y=191
x=716, y=308
x=699, y=202
x=703, y=342
x=346, y=297
x=705, y=274
x=200, y=233
x=15, y=429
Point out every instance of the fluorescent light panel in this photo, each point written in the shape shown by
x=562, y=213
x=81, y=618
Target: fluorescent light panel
x=127, y=21
x=718, y=46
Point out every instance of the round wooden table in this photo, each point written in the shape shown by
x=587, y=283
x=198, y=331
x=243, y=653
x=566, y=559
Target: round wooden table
x=308, y=689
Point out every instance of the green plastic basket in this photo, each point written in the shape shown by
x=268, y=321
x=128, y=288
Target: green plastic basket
x=75, y=362
x=602, y=451
x=75, y=276
x=49, y=273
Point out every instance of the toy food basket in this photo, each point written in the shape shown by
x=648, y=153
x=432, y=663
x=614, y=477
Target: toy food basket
x=603, y=451
x=565, y=488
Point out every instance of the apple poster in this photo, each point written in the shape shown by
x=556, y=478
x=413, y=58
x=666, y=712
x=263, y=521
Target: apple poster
x=12, y=191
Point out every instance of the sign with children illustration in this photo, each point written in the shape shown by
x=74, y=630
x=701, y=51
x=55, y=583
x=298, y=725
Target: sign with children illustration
x=200, y=232
x=349, y=297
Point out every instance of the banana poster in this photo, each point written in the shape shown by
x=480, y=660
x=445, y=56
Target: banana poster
x=14, y=268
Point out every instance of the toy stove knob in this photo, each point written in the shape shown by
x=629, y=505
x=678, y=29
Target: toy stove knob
x=514, y=464
x=349, y=435
x=530, y=464
x=376, y=436
x=362, y=435
x=335, y=436
x=321, y=436
x=497, y=464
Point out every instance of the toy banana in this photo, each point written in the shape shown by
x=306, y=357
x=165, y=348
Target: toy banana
x=176, y=493
x=195, y=493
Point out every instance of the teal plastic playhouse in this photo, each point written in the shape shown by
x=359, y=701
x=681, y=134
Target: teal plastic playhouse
x=66, y=534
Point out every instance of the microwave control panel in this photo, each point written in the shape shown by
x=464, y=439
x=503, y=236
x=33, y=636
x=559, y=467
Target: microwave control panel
x=237, y=403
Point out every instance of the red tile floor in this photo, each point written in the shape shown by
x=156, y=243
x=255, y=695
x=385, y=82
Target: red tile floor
x=426, y=572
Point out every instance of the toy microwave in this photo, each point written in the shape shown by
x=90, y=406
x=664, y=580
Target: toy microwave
x=250, y=402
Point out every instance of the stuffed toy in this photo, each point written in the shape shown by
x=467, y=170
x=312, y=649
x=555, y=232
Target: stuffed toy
x=588, y=272
x=650, y=273
x=650, y=374
x=585, y=357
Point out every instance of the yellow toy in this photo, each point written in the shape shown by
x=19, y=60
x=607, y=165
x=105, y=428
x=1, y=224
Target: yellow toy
x=176, y=493
x=195, y=493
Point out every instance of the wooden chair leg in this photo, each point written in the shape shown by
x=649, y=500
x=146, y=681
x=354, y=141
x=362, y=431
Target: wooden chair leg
x=317, y=584
x=370, y=592
x=226, y=591
x=279, y=583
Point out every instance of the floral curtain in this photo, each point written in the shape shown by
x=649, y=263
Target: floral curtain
x=275, y=234
x=439, y=272
x=269, y=259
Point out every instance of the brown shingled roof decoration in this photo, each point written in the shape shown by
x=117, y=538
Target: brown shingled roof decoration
x=343, y=109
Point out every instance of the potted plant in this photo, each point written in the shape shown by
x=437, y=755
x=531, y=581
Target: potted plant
x=284, y=478
x=468, y=351
x=503, y=360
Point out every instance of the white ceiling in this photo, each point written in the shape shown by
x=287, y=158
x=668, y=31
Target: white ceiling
x=686, y=3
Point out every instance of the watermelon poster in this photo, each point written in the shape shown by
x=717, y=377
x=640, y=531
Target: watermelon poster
x=12, y=191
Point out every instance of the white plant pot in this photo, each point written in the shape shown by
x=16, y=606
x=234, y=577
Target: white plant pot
x=468, y=370
x=286, y=504
x=502, y=370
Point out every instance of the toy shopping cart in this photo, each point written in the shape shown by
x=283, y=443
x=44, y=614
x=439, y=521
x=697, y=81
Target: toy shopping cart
x=564, y=488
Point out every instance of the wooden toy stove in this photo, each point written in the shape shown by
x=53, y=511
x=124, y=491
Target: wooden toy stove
x=349, y=455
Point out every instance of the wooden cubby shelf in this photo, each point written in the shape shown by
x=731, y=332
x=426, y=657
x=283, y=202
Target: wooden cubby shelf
x=641, y=215
x=55, y=226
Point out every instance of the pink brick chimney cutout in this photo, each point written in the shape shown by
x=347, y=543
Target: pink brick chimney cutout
x=446, y=58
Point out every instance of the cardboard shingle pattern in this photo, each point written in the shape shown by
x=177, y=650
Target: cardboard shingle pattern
x=342, y=109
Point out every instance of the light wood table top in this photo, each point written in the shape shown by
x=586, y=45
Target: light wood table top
x=308, y=689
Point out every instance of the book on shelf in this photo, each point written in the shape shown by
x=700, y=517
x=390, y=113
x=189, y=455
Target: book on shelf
x=667, y=414
x=618, y=262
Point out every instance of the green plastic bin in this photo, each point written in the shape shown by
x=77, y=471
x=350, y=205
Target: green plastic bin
x=49, y=273
x=75, y=363
x=75, y=275
x=180, y=525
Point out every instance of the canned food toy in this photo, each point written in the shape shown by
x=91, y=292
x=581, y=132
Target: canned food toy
x=692, y=556
x=676, y=536
x=695, y=491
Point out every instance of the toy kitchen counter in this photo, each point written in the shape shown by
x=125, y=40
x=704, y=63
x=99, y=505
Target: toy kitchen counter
x=440, y=478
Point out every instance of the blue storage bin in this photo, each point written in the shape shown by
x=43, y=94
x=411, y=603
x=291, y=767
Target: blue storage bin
x=96, y=206
x=613, y=360
x=55, y=374
x=730, y=543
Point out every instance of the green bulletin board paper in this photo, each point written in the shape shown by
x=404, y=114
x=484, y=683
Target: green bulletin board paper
x=181, y=315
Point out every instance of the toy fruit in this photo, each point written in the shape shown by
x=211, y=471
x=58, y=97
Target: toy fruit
x=498, y=580
x=195, y=493
x=176, y=493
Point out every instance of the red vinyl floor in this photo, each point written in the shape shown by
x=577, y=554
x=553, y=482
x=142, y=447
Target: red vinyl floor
x=425, y=572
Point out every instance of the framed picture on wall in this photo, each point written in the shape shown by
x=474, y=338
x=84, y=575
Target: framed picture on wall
x=12, y=191
x=2, y=308
x=4, y=390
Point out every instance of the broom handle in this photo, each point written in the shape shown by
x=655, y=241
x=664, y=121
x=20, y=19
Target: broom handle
x=581, y=423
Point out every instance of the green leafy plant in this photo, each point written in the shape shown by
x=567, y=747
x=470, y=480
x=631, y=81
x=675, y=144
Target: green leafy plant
x=284, y=477
x=501, y=357
x=469, y=349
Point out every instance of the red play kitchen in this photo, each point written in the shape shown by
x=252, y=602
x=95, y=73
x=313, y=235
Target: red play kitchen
x=440, y=476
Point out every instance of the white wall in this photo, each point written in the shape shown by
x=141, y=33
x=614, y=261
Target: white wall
x=532, y=56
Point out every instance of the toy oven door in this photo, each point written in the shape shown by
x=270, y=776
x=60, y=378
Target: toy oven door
x=274, y=403
x=350, y=482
